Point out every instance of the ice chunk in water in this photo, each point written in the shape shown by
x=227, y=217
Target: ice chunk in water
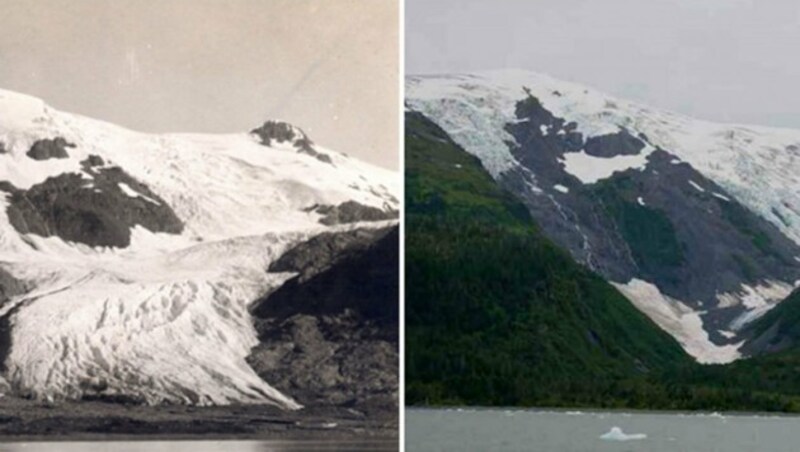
x=616, y=434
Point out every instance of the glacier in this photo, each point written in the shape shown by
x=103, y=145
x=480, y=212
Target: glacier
x=165, y=319
x=734, y=156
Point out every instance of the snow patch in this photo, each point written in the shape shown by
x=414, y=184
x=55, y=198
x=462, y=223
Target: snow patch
x=590, y=169
x=766, y=293
x=561, y=188
x=640, y=200
x=679, y=320
x=696, y=186
x=727, y=334
x=135, y=194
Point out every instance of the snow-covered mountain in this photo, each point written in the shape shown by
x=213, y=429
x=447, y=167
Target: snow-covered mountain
x=128, y=260
x=697, y=223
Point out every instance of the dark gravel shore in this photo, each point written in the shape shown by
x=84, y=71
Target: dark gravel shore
x=27, y=420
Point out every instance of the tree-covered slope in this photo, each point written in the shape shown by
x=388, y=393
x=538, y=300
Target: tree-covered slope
x=496, y=313
x=777, y=330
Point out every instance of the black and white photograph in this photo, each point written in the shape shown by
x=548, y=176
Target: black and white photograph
x=199, y=209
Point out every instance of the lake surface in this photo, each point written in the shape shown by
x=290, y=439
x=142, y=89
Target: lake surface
x=200, y=446
x=470, y=429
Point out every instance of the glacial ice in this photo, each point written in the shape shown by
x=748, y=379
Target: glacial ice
x=616, y=434
x=165, y=319
x=736, y=157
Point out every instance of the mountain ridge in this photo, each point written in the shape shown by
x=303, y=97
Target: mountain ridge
x=149, y=313
x=497, y=314
x=617, y=183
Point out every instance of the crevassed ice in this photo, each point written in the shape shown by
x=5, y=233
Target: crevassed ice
x=170, y=328
x=758, y=165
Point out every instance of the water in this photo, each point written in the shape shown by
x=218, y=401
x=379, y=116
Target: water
x=482, y=430
x=200, y=446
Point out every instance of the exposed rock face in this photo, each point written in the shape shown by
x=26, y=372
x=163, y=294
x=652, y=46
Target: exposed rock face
x=329, y=335
x=50, y=149
x=3, y=148
x=665, y=223
x=280, y=132
x=98, y=211
x=776, y=331
x=351, y=212
x=661, y=221
x=277, y=131
x=9, y=287
x=622, y=143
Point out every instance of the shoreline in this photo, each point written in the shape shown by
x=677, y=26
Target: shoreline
x=23, y=420
x=592, y=410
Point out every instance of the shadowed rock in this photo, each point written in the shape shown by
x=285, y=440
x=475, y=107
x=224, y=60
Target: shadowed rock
x=329, y=335
x=50, y=149
x=9, y=287
x=351, y=212
x=280, y=132
x=98, y=212
x=611, y=145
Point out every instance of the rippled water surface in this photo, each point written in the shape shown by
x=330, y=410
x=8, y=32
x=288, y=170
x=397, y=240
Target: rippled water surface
x=470, y=429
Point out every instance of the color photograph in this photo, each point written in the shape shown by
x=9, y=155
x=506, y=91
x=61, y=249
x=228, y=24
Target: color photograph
x=602, y=243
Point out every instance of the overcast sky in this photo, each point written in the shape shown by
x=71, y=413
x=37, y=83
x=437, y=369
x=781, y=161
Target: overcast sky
x=724, y=60
x=330, y=67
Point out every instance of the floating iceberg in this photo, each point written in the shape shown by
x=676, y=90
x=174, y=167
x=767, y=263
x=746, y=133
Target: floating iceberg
x=616, y=434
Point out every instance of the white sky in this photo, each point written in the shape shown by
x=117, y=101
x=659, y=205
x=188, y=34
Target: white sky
x=329, y=67
x=723, y=60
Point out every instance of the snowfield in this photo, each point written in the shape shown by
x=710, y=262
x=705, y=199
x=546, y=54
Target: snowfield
x=165, y=319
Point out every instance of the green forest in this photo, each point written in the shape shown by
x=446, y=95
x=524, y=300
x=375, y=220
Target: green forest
x=497, y=314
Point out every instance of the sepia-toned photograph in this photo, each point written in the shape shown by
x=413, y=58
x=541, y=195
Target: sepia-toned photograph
x=199, y=213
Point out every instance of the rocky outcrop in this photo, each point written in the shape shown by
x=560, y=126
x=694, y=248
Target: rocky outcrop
x=9, y=287
x=330, y=334
x=277, y=132
x=612, y=145
x=663, y=221
x=351, y=212
x=775, y=331
x=97, y=207
x=55, y=148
